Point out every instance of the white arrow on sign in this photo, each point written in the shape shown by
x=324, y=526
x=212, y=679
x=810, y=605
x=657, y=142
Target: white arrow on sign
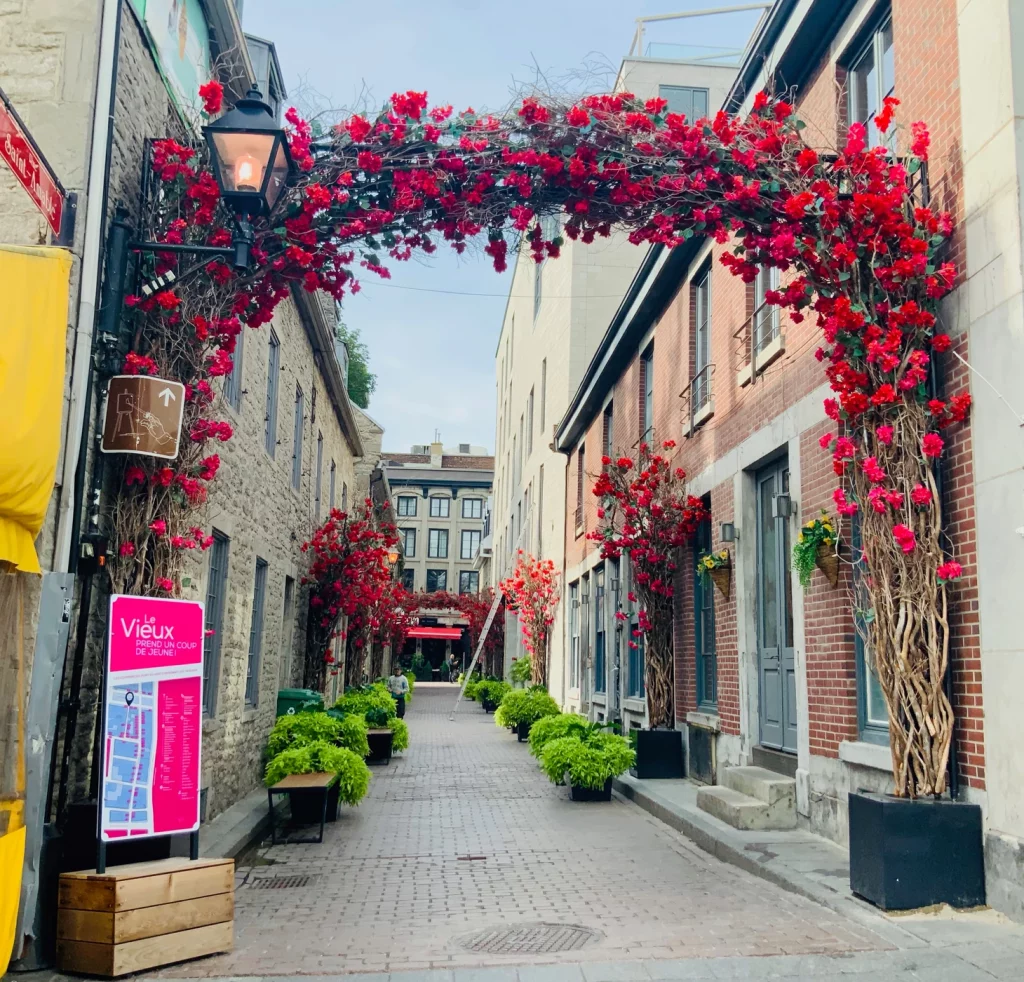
x=167, y=395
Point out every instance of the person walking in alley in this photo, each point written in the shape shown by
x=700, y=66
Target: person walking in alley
x=398, y=686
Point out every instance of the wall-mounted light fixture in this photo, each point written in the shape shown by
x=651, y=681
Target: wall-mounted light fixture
x=728, y=532
x=782, y=506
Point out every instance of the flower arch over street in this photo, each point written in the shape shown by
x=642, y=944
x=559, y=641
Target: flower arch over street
x=858, y=251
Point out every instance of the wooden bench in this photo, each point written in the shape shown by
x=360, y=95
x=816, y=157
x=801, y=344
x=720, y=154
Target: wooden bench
x=381, y=740
x=311, y=797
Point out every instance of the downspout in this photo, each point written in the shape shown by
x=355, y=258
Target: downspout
x=76, y=433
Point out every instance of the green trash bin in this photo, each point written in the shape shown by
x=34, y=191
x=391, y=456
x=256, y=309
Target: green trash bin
x=291, y=701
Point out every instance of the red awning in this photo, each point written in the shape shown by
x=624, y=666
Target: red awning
x=443, y=633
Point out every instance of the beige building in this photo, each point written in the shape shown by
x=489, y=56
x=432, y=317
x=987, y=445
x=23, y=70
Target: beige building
x=556, y=315
x=439, y=497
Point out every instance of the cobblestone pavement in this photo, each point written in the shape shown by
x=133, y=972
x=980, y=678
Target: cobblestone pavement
x=463, y=833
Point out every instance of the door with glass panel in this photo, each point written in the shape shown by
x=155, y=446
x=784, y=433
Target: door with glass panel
x=775, y=656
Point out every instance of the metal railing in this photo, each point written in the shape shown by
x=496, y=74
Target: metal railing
x=697, y=396
x=753, y=336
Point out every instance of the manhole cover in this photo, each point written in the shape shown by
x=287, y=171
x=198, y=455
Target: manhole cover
x=530, y=939
x=281, y=882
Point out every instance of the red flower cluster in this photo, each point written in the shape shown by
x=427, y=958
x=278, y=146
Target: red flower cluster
x=532, y=592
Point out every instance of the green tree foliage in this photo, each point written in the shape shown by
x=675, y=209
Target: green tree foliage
x=361, y=381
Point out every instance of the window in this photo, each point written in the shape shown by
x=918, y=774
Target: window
x=469, y=581
x=607, y=433
x=522, y=444
x=470, y=544
x=872, y=77
x=529, y=425
x=297, y=438
x=409, y=542
x=437, y=580
x=233, y=383
x=252, y=671
x=409, y=579
x=691, y=102
x=538, y=273
x=440, y=507
x=273, y=371
x=287, y=627
x=543, y=392
x=766, y=317
x=333, y=478
x=702, y=340
x=514, y=483
x=319, y=473
x=540, y=512
x=635, y=675
x=472, y=507
x=437, y=544
x=600, y=669
x=704, y=625
x=344, y=496
x=216, y=591
x=580, y=455
x=647, y=395
x=406, y=506
x=574, y=635
x=872, y=717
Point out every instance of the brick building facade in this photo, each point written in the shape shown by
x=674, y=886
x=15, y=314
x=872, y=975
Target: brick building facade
x=775, y=674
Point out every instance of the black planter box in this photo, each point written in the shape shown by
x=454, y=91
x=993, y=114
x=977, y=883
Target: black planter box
x=306, y=805
x=489, y=706
x=909, y=853
x=523, y=731
x=381, y=741
x=592, y=794
x=659, y=754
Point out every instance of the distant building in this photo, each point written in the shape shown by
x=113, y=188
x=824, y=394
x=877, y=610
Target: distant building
x=440, y=498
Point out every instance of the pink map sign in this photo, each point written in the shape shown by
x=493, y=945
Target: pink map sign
x=153, y=718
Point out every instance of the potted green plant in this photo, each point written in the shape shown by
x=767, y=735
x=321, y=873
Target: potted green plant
x=314, y=758
x=590, y=755
x=716, y=567
x=521, y=708
x=549, y=728
x=817, y=546
x=490, y=692
x=521, y=671
x=375, y=705
x=342, y=729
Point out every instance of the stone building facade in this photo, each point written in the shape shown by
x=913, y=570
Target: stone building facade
x=677, y=357
x=439, y=497
x=58, y=64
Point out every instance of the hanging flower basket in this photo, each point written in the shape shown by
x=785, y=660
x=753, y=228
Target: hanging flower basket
x=827, y=561
x=722, y=578
x=716, y=566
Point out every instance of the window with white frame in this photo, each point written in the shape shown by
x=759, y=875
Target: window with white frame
x=647, y=394
x=872, y=77
x=690, y=101
x=574, y=635
x=440, y=507
x=702, y=339
x=409, y=542
x=406, y=506
x=470, y=545
x=766, y=316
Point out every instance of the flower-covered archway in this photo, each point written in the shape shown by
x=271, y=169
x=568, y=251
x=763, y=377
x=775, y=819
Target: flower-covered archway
x=860, y=254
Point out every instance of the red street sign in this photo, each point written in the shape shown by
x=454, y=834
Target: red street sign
x=30, y=167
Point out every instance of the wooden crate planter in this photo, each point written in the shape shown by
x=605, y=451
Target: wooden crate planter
x=381, y=741
x=144, y=915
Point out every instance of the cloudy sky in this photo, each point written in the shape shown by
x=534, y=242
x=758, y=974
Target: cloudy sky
x=432, y=328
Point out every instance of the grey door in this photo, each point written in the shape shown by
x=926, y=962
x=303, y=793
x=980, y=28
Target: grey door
x=776, y=663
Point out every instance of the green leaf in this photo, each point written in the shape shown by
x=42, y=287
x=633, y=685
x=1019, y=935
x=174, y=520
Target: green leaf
x=800, y=124
x=914, y=166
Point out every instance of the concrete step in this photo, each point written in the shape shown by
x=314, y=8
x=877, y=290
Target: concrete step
x=741, y=811
x=759, y=782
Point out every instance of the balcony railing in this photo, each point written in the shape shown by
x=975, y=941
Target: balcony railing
x=698, y=406
x=757, y=343
x=578, y=521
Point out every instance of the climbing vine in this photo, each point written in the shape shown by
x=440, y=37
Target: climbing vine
x=858, y=249
x=531, y=592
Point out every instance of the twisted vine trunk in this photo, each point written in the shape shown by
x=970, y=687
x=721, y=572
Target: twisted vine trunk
x=539, y=659
x=659, y=668
x=376, y=660
x=907, y=636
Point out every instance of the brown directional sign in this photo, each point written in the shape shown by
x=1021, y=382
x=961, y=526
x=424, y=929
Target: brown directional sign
x=143, y=416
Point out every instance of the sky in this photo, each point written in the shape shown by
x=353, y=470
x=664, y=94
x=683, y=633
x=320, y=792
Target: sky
x=432, y=328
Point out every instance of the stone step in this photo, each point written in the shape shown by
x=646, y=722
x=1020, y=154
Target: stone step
x=744, y=812
x=759, y=782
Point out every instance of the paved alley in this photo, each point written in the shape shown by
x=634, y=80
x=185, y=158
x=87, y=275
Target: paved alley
x=462, y=838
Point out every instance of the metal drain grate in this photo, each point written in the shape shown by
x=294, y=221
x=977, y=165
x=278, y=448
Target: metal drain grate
x=282, y=882
x=530, y=939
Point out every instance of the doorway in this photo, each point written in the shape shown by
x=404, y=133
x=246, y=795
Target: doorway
x=775, y=657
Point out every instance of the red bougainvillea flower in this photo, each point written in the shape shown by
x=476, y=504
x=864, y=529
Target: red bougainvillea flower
x=884, y=434
x=932, y=444
x=158, y=527
x=904, y=537
x=212, y=94
x=163, y=583
x=134, y=475
x=951, y=570
x=921, y=495
x=127, y=549
x=843, y=506
x=883, y=118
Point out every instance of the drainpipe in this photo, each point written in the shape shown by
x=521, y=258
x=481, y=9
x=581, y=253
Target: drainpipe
x=97, y=189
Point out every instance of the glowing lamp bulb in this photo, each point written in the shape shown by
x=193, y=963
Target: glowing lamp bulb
x=247, y=168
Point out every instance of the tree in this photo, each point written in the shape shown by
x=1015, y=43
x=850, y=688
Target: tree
x=532, y=592
x=362, y=383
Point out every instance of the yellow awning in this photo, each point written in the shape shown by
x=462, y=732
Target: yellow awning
x=33, y=333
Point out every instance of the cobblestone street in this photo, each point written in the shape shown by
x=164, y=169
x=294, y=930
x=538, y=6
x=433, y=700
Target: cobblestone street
x=463, y=833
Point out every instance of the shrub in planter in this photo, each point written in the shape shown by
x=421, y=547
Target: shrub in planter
x=524, y=706
x=471, y=686
x=400, y=740
x=521, y=671
x=590, y=763
x=551, y=728
x=490, y=693
x=358, y=699
x=343, y=730
x=321, y=756
x=377, y=718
